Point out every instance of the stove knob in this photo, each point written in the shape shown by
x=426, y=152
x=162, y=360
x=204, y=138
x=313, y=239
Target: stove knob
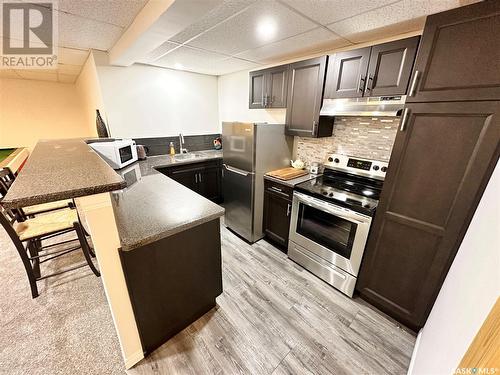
x=324, y=192
x=337, y=160
x=375, y=167
x=383, y=169
x=330, y=195
x=330, y=159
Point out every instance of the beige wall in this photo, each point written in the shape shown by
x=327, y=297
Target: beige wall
x=32, y=110
x=89, y=89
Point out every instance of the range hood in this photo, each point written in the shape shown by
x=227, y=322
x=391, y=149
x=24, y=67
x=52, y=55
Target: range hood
x=373, y=106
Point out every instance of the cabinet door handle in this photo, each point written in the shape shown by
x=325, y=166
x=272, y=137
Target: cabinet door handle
x=404, y=120
x=288, y=207
x=276, y=188
x=315, y=127
x=361, y=83
x=199, y=177
x=414, y=84
x=369, y=84
x=196, y=178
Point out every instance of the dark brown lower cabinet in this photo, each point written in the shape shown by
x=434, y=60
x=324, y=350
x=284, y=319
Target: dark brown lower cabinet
x=173, y=281
x=205, y=178
x=277, y=209
x=442, y=159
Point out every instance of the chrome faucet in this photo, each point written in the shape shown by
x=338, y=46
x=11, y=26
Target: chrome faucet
x=182, y=150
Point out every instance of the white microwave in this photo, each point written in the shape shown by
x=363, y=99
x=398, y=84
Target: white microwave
x=117, y=153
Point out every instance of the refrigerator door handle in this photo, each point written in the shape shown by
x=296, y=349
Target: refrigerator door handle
x=236, y=170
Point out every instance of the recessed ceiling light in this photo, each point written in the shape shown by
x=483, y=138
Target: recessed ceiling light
x=179, y=66
x=266, y=28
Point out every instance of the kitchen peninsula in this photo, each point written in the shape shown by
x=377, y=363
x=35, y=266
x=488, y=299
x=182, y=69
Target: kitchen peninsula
x=157, y=242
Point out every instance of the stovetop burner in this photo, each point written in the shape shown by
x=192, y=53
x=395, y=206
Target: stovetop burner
x=345, y=187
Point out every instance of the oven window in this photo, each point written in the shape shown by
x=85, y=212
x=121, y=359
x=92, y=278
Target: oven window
x=125, y=154
x=326, y=229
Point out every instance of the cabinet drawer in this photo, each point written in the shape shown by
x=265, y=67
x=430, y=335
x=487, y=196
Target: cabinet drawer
x=280, y=189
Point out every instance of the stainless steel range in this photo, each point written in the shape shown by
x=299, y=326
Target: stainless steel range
x=331, y=218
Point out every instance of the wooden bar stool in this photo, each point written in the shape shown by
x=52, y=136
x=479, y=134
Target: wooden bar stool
x=27, y=235
x=7, y=178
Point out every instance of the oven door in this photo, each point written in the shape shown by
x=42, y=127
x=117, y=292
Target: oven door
x=336, y=234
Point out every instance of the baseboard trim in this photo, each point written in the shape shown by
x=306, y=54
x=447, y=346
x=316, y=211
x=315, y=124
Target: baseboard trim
x=414, y=353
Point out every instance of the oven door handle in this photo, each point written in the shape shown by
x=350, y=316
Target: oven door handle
x=344, y=213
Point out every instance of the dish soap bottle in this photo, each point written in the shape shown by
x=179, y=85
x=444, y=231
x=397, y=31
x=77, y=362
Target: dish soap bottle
x=172, y=149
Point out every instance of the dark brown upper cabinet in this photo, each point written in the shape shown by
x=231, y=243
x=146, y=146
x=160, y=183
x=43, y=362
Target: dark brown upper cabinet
x=268, y=88
x=380, y=70
x=390, y=67
x=459, y=56
x=346, y=75
x=305, y=95
x=442, y=159
x=257, y=88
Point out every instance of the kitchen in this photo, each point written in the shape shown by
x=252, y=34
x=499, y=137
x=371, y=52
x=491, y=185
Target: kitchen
x=199, y=248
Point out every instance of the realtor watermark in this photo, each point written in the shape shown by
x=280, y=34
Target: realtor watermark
x=476, y=371
x=29, y=34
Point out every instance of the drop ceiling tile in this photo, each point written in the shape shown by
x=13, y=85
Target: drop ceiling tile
x=159, y=52
x=194, y=60
x=82, y=33
x=117, y=12
x=189, y=57
x=219, y=14
x=66, y=78
x=319, y=39
x=239, y=33
x=229, y=65
x=328, y=11
x=72, y=56
x=401, y=12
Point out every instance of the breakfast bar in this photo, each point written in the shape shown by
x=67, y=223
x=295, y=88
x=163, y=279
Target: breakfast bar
x=157, y=242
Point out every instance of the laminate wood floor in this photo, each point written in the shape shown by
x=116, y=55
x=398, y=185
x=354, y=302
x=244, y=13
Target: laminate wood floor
x=276, y=318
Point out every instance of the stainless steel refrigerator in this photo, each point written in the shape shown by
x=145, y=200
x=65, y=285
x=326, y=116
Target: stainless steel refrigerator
x=249, y=151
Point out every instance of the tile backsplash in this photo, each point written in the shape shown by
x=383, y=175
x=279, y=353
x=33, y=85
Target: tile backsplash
x=365, y=137
x=161, y=145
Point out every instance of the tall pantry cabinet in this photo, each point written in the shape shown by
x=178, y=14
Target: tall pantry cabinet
x=445, y=151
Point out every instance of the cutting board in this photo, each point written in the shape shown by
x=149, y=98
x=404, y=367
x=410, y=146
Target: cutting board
x=286, y=174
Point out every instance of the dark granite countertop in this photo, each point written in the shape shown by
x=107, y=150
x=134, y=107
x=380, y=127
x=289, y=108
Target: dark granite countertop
x=293, y=181
x=147, y=205
x=153, y=206
x=61, y=169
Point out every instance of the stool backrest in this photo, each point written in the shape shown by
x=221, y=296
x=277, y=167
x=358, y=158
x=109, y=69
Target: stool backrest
x=7, y=220
x=7, y=178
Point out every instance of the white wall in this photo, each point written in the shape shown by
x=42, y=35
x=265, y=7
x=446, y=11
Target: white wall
x=145, y=101
x=32, y=110
x=468, y=293
x=233, y=102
